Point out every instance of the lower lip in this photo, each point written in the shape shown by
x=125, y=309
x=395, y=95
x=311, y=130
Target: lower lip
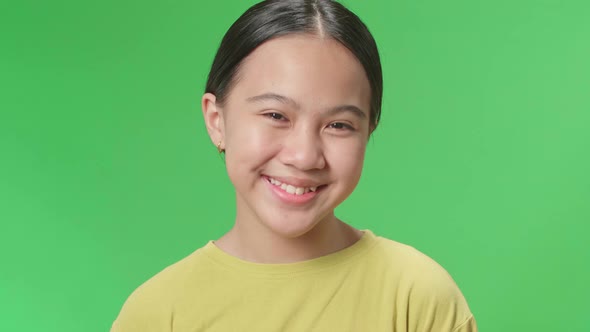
x=290, y=198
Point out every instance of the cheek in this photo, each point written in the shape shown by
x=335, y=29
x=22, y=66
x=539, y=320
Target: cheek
x=347, y=159
x=248, y=143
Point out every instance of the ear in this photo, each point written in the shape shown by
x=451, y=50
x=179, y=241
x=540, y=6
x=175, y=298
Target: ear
x=213, y=119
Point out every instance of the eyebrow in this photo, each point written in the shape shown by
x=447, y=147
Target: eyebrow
x=273, y=97
x=286, y=100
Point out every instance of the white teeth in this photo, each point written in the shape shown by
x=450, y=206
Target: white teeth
x=292, y=189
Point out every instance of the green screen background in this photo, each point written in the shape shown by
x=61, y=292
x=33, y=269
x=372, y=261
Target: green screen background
x=481, y=159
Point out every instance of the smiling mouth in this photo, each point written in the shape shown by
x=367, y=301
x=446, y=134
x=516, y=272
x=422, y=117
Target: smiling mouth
x=293, y=190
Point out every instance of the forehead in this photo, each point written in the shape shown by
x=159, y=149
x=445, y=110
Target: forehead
x=310, y=69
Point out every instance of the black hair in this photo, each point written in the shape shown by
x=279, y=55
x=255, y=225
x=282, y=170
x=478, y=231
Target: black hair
x=274, y=18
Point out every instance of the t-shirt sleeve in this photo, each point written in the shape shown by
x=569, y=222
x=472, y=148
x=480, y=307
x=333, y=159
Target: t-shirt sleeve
x=144, y=311
x=468, y=326
x=435, y=302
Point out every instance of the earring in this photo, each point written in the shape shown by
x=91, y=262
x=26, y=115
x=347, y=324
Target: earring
x=219, y=149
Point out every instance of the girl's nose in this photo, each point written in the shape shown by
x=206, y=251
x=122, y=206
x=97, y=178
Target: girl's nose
x=303, y=150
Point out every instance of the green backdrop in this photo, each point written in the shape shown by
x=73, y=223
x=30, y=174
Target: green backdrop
x=482, y=159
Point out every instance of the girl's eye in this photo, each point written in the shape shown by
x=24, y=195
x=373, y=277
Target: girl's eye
x=340, y=126
x=275, y=116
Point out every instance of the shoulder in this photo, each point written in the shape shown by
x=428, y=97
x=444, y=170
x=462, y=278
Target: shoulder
x=408, y=261
x=150, y=306
x=430, y=295
x=412, y=265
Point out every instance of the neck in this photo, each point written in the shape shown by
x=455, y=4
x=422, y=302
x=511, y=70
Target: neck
x=256, y=243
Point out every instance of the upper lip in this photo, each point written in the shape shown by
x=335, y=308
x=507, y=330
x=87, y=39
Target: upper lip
x=296, y=182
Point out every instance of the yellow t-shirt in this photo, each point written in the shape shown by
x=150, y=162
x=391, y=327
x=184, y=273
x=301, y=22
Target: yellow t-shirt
x=374, y=285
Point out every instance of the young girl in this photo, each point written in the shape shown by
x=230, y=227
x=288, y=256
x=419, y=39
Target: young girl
x=292, y=98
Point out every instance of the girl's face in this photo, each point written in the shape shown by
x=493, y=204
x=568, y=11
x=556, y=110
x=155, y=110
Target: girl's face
x=294, y=126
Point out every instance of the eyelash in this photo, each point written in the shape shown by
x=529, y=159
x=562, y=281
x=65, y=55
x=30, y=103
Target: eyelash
x=275, y=116
x=345, y=126
x=279, y=117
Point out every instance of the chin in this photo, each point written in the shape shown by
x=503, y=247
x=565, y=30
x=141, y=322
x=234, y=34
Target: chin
x=290, y=228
